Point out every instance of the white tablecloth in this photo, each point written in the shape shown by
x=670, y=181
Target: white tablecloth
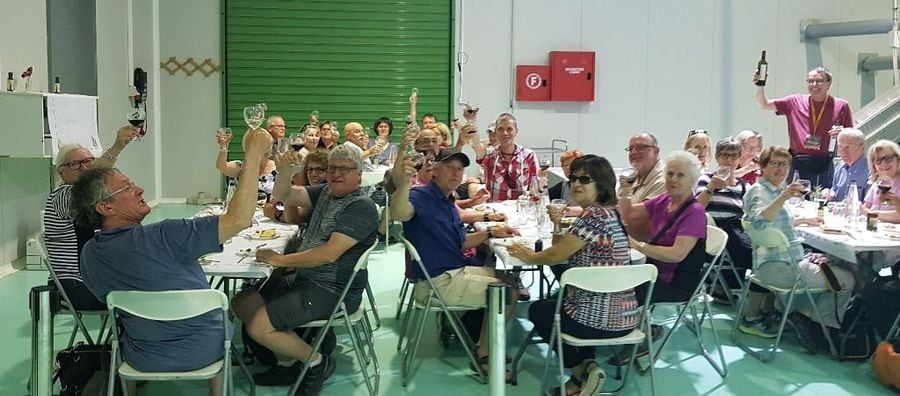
x=848, y=244
x=238, y=256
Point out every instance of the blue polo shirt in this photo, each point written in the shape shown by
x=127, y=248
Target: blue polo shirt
x=844, y=175
x=435, y=230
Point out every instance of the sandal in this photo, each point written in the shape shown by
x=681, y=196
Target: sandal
x=594, y=379
x=484, y=362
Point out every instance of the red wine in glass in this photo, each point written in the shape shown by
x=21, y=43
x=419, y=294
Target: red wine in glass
x=136, y=117
x=883, y=188
x=296, y=147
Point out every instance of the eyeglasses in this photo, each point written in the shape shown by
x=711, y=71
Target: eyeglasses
x=638, y=147
x=277, y=125
x=110, y=195
x=342, y=170
x=315, y=170
x=816, y=81
x=78, y=164
x=779, y=164
x=583, y=180
x=697, y=132
x=886, y=159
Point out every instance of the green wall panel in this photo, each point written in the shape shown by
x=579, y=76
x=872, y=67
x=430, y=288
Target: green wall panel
x=350, y=60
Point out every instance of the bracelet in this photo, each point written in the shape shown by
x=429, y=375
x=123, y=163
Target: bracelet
x=223, y=149
x=486, y=218
x=109, y=156
x=490, y=234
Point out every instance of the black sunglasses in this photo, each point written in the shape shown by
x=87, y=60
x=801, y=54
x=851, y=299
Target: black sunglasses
x=583, y=180
x=697, y=132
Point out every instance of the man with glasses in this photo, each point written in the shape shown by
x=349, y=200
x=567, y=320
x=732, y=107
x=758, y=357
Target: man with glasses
x=126, y=255
x=813, y=120
x=854, y=167
x=359, y=141
x=307, y=284
x=643, y=155
x=276, y=127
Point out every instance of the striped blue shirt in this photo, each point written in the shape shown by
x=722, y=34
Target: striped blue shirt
x=758, y=198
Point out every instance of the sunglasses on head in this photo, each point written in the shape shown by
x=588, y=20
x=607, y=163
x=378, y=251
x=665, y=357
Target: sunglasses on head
x=583, y=180
x=697, y=132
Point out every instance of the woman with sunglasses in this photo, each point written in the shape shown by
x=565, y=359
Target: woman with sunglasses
x=884, y=173
x=596, y=238
x=698, y=143
x=63, y=239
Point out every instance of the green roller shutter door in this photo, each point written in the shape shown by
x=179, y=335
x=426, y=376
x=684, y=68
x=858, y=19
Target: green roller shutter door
x=350, y=60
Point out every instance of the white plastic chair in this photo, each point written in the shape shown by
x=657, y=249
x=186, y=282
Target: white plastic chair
x=417, y=316
x=350, y=321
x=772, y=238
x=604, y=280
x=168, y=306
x=716, y=240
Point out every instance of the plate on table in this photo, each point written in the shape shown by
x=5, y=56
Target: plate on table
x=889, y=235
x=264, y=235
x=830, y=229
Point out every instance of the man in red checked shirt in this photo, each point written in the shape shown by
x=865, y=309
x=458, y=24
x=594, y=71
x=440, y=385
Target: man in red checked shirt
x=813, y=121
x=511, y=168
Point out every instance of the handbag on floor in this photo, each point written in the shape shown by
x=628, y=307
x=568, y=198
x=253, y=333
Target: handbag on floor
x=76, y=365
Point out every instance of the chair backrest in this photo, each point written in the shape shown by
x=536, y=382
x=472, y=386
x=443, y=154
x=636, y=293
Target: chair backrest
x=45, y=259
x=710, y=221
x=167, y=305
x=363, y=261
x=609, y=279
x=716, y=239
x=769, y=237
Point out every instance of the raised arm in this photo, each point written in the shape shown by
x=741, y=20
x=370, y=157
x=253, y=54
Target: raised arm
x=761, y=99
x=230, y=169
x=240, y=210
x=124, y=136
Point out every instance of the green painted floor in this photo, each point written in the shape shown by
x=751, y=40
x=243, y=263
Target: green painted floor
x=445, y=372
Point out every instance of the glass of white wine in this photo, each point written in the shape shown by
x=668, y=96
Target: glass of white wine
x=255, y=115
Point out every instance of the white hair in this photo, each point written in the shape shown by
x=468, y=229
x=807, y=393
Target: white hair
x=690, y=161
x=344, y=153
x=854, y=134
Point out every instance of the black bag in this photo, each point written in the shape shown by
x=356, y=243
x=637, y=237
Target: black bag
x=855, y=340
x=77, y=364
x=254, y=350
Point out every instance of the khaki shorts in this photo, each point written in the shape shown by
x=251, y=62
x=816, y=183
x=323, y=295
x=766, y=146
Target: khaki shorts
x=466, y=286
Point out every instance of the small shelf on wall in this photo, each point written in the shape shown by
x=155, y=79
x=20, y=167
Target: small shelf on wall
x=30, y=133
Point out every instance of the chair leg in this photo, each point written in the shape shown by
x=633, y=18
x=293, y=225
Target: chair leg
x=401, y=299
x=414, y=343
x=404, y=323
x=374, y=357
x=825, y=331
x=467, y=343
x=244, y=369
x=529, y=340
x=373, y=306
x=358, y=349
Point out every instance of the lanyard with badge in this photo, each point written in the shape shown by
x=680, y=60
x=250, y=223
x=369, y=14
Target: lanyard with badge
x=813, y=141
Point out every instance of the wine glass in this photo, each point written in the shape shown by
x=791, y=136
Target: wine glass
x=798, y=200
x=255, y=115
x=296, y=141
x=136, y=117
x=884, y=186
x=414, y=92
x=559, y=207
x=224, y=131
x=470, y=111
x=545, y=163
x=724, y=172
x=629, y=174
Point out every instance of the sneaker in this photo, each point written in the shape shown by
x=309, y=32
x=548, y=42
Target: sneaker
x=278, y=375
x=759, y=327
x=524, y=294
x=315, y=377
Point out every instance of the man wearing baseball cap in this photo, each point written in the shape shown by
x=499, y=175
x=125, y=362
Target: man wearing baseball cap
x=432, y=224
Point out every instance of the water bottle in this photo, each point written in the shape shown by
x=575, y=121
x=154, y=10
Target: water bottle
x=853, y=205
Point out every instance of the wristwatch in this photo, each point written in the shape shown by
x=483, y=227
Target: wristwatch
x=490, y=234
x=486, y=218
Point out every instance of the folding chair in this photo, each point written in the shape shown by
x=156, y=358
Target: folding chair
x=66, y=303
x=418, y=313
x=772, y=238
x=350, y=320
x=715, y=245
x=373, y=306
x=169, y=306
x=603, y=280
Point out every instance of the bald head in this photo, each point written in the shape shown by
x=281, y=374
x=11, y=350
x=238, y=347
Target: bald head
x=355, y=133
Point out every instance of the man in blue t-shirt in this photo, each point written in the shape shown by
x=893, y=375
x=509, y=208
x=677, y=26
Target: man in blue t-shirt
x=432, y=224
x=126, y=255
x=854, y=168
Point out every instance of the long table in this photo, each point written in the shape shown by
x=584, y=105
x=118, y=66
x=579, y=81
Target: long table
x=238, y=256
x=851, y=244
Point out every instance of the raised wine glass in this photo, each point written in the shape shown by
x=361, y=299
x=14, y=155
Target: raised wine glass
x=884, y=186
x=296, y=141
x=724, y=172
x=136, y=117
x=797, y=201
x=255, y=115
x=470, y=111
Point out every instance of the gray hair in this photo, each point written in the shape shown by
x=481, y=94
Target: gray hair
x=344, y=153
x=728, y=145
x=748, y=134
x=87, y=192
x=854, y=134
x=691, y=164
x=826, y=72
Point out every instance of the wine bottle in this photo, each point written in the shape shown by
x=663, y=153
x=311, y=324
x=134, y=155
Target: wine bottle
x=10, y=82
x=762, y=70
x=56, y=87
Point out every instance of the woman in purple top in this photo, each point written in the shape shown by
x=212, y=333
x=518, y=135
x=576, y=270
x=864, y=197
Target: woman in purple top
x=678, y=229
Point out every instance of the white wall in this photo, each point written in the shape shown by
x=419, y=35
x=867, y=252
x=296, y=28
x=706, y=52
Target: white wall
x=663, y=67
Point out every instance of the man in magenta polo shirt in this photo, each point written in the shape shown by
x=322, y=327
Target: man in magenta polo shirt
x=813, y=120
